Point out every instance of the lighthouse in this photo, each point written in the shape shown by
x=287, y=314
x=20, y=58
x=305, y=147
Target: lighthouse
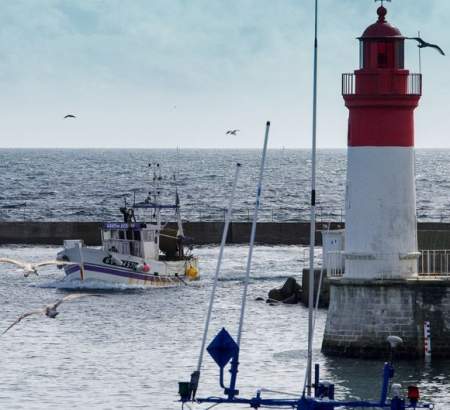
x=381, y=225
x=380, y=292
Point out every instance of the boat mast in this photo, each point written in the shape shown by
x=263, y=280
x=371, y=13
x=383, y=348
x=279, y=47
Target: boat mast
x=196, y=375
x=156, y=195
x=235, y=362
x=313, y=212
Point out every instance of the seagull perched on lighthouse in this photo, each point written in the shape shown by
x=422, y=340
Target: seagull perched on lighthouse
x=423, y=44
x=32, y=268
x=232, y=132
x=51, y=310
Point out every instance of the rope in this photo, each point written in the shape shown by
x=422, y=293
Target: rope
x=278, y=392
x=214, y=405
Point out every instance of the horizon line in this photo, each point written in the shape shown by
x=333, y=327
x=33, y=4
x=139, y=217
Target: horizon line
x=193, y=148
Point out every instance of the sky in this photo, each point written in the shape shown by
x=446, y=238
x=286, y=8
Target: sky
x=179, y=73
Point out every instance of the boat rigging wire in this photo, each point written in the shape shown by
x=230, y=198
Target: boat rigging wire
x=235, y=361
x=196, y=375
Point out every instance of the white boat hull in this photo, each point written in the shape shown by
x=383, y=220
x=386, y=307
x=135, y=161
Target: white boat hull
x=97, y=265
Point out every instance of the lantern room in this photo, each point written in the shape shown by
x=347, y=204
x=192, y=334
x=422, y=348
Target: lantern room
x=382, y=46
x=382, y=64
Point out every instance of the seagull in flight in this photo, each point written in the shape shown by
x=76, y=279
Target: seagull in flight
x=423, y=44
x=32, y=268
x=232, y=132
x=70, y=116
x=51, y=310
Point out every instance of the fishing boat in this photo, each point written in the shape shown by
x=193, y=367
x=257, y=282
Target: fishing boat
x=144, y=253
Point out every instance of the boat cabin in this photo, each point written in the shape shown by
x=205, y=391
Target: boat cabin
x=136, y=239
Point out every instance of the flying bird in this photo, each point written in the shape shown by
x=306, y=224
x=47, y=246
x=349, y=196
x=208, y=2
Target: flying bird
x=32, y=268
x=51, y=310
x=70, y=116
x=423, y=44
x=232, y=132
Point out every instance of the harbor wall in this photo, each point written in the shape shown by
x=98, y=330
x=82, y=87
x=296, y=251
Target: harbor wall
x=362, y=314
x=430, y=235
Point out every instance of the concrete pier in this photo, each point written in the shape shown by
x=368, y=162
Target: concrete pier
x=363, y=313
x=430, y=235
x=202, y=233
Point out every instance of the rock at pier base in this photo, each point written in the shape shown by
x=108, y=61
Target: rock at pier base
x=324, y=296
x=363, y=313
x=289, y=293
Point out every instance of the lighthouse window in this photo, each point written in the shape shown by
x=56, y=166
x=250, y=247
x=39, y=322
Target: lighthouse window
x=400, y=54
x=361, y=54
x=382, y=60
x=382, y=55
x=390, y=54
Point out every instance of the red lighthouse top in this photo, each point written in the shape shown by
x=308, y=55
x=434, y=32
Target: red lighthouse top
x=381, y=28
x=382, y=94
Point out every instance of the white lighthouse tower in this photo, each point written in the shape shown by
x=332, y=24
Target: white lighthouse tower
x=380, y=292
x=381, y=225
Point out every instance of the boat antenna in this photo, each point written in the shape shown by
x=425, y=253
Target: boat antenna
x=195, y=376
x=313, y=212
x=235, y=362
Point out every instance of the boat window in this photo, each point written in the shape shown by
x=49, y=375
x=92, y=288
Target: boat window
x=129, y=234
x=147, y=235
x=135, y=248
x=121, y=235
x=106, y=235
x=137, y=235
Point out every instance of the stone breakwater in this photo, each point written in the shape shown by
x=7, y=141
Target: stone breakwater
x=431, y=235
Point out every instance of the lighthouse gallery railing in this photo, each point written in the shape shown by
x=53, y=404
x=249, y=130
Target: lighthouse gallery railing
x=413, y=85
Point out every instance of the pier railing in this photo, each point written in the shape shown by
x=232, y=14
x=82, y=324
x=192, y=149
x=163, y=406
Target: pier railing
x=435, y=262
x=430, y=263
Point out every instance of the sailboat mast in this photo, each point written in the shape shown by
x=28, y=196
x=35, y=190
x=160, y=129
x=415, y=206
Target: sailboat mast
x=313, y=211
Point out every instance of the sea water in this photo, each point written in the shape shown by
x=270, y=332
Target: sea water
x=130, y=348
x=91, y=185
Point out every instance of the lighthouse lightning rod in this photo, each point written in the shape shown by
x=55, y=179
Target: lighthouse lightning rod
x=312, y=233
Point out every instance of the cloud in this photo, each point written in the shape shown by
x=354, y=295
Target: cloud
x=124, y=65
